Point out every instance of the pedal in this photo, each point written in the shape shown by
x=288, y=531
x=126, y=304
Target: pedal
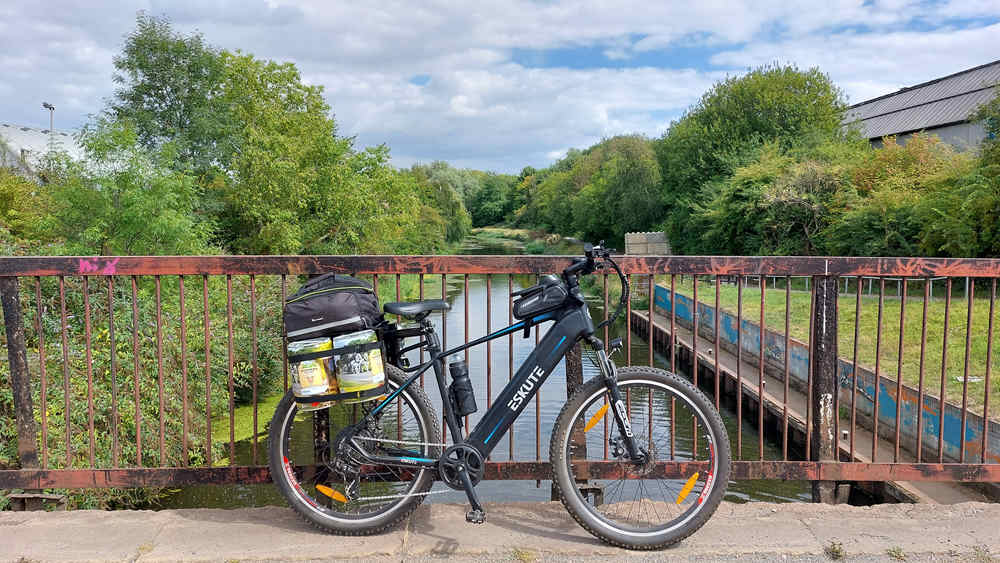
x=475, y=516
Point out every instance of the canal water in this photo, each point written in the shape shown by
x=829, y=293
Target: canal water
x=527, y=446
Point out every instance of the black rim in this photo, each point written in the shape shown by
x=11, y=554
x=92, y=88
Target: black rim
x=669, y=427
x=308, y=469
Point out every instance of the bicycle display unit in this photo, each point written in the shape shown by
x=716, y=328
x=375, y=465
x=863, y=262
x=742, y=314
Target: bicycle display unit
x=621, y=450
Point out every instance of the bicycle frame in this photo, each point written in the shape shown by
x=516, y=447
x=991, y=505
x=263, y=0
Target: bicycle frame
x=572, y=324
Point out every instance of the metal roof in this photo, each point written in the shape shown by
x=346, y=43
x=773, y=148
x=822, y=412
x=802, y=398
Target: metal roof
x=32, y=143
x=945, y=100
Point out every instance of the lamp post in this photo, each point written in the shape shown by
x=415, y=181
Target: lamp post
x=52, y=111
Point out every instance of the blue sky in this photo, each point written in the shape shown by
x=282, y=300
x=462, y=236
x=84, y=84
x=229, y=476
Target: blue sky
x=504, y=84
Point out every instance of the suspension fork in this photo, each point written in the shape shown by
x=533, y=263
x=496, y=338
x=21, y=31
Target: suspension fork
x=609, y=374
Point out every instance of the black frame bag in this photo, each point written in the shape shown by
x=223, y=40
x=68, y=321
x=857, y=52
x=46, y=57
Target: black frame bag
x=548, y=295
x=329, y=305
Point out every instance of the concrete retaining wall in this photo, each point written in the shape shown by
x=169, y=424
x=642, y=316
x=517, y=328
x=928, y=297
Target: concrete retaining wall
x=774, y=363
x=645, y=244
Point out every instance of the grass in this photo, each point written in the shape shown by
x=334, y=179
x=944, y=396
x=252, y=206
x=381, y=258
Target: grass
x=888, y=345
x=243, y=424
x=522, y=235
x=526, y=240
x=896, y=552
x=981, y=554
x=834, y=550
x=409, y=287
x=525, y=555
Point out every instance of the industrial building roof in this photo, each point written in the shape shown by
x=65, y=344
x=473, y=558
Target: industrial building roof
x=29, y=143
x=951, y=99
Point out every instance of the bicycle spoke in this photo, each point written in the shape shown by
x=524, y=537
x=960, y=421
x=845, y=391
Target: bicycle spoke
x=631, y=501
x=367, y=489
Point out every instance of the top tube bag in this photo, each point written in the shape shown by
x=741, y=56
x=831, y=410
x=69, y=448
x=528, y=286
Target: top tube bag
x=330, y=305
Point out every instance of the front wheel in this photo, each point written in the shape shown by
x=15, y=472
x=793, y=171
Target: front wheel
x=662, y=500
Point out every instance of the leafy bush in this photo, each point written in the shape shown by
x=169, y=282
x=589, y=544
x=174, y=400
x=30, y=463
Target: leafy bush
x=769, y=104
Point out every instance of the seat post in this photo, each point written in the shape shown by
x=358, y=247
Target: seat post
x=433, y=344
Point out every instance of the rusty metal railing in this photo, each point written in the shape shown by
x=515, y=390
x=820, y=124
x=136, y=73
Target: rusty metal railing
x=97, y=343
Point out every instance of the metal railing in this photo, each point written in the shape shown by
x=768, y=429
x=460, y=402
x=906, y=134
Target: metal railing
x=96, y=344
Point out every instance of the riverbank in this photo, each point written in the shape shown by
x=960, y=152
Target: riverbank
x=513, y=532
x=506, y=240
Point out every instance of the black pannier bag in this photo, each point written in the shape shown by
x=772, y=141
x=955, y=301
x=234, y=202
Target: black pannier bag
x=548, y=295
x=329, y=305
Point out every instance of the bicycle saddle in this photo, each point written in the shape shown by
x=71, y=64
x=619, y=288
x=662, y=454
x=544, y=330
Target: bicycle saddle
x=416, y=308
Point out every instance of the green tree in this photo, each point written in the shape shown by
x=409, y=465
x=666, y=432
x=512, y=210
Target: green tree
x=989, y=115
x=731, y=220
x=168, y=88
x=491, y=202
x=293, y=185
x=271, y=169
x=552, y=203
x=772, y=103
x=129, y=201
x=23, y=203
x=888, y=209
x=283, y=157
x=600, y=193
x=628, y=182
x=441, y=188
x=961, y=214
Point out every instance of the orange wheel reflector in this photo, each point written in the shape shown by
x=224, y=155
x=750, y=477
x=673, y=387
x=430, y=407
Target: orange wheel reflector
x=335, y=495
x=594, y=419
x=687, y=488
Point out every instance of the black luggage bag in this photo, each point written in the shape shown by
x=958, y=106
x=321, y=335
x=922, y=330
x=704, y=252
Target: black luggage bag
x=330, y=305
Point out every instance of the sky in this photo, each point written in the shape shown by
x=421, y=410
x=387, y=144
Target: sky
x=503, y=84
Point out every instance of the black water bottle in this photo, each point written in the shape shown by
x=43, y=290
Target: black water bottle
x=463, y=399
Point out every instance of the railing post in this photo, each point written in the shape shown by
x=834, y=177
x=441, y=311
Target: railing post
x=824, y=396
x=574, y=379
x=20, y=382
x=574, y=370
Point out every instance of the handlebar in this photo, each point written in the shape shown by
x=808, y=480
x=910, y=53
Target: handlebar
x=588, y=264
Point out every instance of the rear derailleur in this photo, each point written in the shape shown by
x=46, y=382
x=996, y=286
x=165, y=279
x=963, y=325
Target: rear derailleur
x=347, y=459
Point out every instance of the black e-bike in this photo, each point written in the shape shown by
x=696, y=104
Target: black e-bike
x=639, y=456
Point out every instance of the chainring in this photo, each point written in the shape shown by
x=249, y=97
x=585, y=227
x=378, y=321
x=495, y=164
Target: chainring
x=455, y=456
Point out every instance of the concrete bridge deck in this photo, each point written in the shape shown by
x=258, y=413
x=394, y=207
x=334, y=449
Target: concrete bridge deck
x=513, y=532
x=923, y=491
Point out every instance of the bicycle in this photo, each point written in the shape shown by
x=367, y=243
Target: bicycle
x=646, y=480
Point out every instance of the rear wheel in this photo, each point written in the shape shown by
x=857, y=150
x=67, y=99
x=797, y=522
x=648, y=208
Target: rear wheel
x=656, y=503
x=331, y=486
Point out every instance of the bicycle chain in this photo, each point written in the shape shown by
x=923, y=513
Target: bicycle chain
x=406, y=442
x=387, y=497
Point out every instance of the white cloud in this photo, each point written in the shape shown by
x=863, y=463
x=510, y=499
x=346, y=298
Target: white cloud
x=866, y=65
x=479, y=107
